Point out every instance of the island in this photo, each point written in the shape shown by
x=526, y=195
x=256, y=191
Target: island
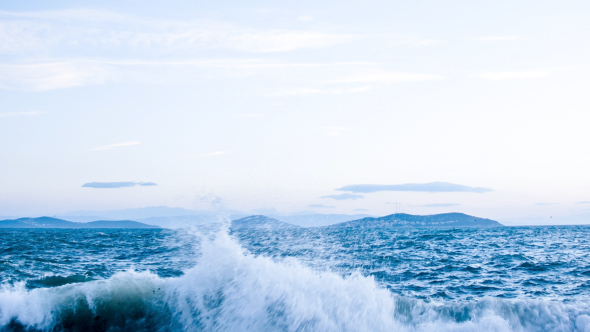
x=409, y=220
x=48, y=222
x=260, y=222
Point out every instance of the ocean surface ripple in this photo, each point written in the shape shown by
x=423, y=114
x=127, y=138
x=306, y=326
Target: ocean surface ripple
x=308, y=279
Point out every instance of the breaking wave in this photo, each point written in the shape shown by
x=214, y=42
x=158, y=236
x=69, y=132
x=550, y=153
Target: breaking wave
x=231, y=290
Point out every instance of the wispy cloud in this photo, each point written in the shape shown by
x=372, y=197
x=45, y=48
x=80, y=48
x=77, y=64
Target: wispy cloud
x=427, y=42
x=210, y=154
x=440, y=205
x=360, y=210
x=386, y=77
x=112, y=185
x=372, y=76
x=250, y=115
x=70, y=35
x=432, y=187
x=322, y=91
x=10, y=114
x=411, y=41
x=51, y=75
x=332, y=131
x=241, y=63
x=545, y=204
x=511, y=75
x=496, y=38
x=305, y=18
x=321, y=206
x=583, y=202
x=344, y=196
x=114, y=146
x=84, y=29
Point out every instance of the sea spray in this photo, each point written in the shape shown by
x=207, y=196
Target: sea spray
x=230, y=290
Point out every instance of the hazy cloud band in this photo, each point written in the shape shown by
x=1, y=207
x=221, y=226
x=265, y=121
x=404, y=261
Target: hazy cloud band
x=110, y=185
x=432, y=187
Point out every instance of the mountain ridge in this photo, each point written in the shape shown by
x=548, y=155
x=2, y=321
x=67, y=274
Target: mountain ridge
x=260, y=221
x=317, y=219
x=49, y=222
x=453, y=219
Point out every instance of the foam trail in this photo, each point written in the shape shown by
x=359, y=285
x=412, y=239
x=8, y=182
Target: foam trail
x=231, y=290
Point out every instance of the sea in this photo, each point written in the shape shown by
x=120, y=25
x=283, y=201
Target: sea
x=213, y=278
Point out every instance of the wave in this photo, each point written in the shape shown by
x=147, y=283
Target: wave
x=232, y=290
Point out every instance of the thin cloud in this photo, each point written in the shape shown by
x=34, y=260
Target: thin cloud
x=51, y=75
x=83, y=29
x=216, y=153
x=344, y=196
x=360, y=210
x=233, y=63
x=432, y=187
x=305, y=18
x=512, y=75
x=387, y=77
x=496, y=38
x=250, y=115
x=427, y=42
x=414, y=41
x=10, y=114
x=320, y=206
x=114, y=146
x=88, y=15
x=312, y=91
x=261, y=41
x=545, y=204
x=111, y=185
x=435, y=205
x=583, y=202
x=332, y=131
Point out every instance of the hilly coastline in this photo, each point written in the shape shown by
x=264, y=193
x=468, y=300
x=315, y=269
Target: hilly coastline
x=390, y=221
x=265, y=222
x=409, y=220
x=48, y=222
x=260, y=221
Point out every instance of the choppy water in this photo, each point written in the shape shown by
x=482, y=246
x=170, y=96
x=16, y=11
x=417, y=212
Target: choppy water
x=464, y=279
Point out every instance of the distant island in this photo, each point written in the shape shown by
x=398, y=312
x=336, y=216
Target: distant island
x=391, y=221
x=409, y=220
x=317, y=220
x=265, y=222
x=48, y=222
x=260, y=221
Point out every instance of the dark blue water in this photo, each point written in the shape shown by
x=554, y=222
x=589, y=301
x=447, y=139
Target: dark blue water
x=423, y=279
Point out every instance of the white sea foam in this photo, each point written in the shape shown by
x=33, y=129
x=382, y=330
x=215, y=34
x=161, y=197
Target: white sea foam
x=231, y=290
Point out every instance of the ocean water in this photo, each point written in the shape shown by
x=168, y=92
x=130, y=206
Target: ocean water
x=215, y=279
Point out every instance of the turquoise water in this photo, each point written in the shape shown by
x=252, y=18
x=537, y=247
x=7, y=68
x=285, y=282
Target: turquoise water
x=309, y=279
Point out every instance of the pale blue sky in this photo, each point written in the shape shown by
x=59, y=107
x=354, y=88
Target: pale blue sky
x=263, y=105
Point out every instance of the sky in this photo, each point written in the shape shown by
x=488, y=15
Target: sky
x=329, y=107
